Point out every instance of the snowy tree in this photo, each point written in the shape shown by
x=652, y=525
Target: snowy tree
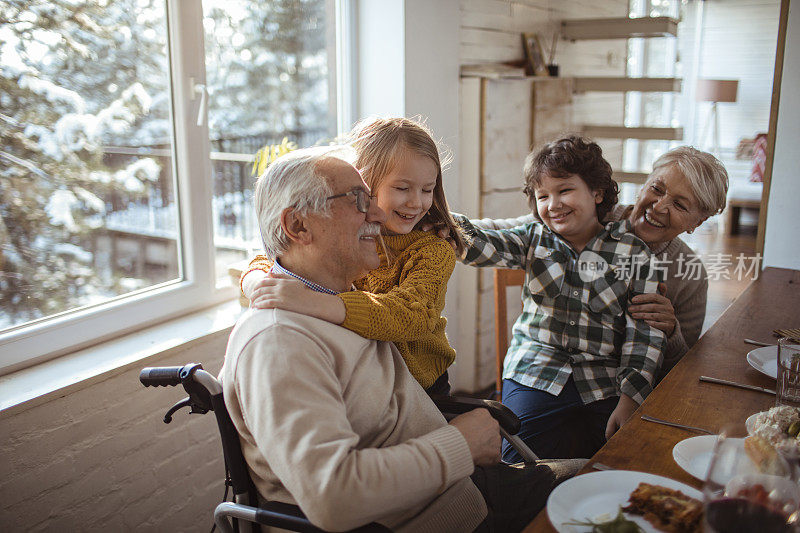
x=267, y=67
x=56, y=112
x=78, y=77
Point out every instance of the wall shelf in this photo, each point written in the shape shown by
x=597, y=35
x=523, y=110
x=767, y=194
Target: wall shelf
x=643, y=85
x=619, y=28
x=622, y=132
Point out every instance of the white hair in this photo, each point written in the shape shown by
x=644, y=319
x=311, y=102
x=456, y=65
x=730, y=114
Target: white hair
x=293, y=180
x=706, y=175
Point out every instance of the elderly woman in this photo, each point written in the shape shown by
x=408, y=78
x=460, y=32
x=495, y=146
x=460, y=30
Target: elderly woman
x=685, y=188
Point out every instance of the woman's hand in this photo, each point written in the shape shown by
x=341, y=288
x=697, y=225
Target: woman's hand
x=625, y=408
x=289, y=294
x=655, y=309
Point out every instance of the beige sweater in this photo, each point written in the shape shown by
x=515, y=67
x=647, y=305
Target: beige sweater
x=688, y=296
x=335, y=423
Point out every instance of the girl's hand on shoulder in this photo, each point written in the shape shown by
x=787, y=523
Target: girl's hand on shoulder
x=655, y=309
x=279, y=292
x=285, y=292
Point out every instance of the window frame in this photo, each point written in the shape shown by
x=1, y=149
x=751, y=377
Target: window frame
x=50, y=337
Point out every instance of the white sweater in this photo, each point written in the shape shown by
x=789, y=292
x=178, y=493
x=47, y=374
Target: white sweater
x=335, y=423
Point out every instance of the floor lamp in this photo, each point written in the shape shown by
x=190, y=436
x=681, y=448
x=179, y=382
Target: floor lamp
x=715, y=91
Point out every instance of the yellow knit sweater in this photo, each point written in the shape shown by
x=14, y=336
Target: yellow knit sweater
x=402, y=302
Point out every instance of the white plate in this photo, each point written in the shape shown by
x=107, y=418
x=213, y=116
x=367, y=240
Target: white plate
x=750, y=423
x=694, y=454
x=598, y=496
x=765, y=360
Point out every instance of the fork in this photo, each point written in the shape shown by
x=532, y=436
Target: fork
x=649, y=418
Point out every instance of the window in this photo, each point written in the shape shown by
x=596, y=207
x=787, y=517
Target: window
x=125, y=183
x=267, y=73
x=653, y=58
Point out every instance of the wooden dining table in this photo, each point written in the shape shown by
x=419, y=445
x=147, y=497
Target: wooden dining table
x=770, y=302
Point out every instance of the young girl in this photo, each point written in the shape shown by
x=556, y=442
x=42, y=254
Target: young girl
x=402, y=300
x=578, y=364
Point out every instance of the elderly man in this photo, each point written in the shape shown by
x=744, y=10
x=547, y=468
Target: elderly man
x=334, y=422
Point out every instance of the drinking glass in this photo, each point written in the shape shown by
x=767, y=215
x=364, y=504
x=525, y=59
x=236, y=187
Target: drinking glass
x=746, y=492
x=788, y=390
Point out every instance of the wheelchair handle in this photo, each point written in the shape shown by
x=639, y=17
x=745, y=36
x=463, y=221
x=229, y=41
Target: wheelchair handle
x=161, y=376
x=457, y=405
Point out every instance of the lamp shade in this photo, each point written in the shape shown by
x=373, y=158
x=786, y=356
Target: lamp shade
x=716, y=90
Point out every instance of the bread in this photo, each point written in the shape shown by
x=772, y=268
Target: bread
x=763, y=455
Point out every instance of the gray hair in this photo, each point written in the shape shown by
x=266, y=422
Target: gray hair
x=293, y=180
x=706, y=175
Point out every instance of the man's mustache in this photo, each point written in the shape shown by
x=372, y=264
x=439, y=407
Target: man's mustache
x=369, y=230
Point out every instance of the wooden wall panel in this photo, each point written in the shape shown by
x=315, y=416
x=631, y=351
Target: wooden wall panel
x=506, y=134
x=508, y=203
x=490, y=32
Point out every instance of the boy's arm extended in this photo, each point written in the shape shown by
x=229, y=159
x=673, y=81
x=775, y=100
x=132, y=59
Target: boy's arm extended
x=502, y=223
x=496, y=248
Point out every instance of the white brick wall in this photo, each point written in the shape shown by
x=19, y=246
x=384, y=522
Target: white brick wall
x=101, y=459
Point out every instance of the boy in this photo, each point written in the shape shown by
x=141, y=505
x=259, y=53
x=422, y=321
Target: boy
x=578, y=364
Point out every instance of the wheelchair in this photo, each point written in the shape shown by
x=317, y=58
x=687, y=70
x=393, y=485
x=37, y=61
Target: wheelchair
x=205, y=394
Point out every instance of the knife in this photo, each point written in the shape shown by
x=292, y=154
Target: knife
x=734, y=384
x=757, y=343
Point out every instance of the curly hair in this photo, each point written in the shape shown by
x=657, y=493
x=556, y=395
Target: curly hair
x=567, y=156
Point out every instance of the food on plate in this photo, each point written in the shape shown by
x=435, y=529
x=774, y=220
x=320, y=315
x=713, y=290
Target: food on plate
x=667, y=509
x=763, y=455
x=618, y=524
x=779, y=427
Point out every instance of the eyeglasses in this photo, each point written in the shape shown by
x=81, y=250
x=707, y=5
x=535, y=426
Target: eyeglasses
x=363, y=198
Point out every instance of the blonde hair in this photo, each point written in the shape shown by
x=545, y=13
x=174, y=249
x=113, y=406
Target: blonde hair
x=704, y=172
x=381, y=142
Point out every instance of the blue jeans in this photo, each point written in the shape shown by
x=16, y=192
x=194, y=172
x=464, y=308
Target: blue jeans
x=556, y=427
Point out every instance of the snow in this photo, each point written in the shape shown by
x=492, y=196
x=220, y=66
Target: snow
x=73, y=131
x=138, y=93
x=131, y=284
x=59, y=209
x=90, y=200
x=52, y=92
x=47, y=142
x=65, y=248
x=133, y=176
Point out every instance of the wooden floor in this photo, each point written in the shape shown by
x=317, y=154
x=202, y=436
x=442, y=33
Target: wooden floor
x=716, y=249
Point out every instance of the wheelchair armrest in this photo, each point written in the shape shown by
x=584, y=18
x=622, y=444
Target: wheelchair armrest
x=456, y=405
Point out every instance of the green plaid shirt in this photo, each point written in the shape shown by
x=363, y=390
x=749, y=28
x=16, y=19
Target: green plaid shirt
x=574, y=318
